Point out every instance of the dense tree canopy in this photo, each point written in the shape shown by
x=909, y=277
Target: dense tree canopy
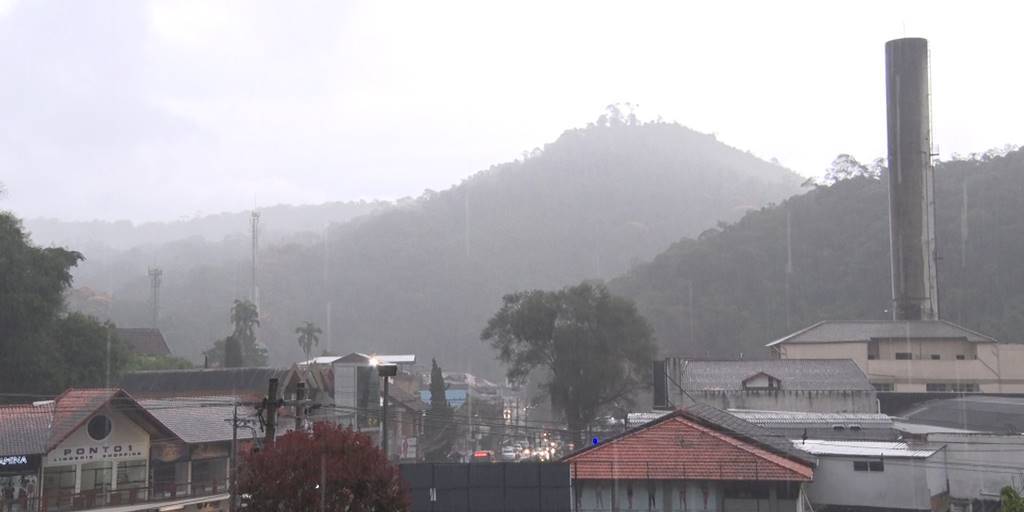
x=42, y=349
x=592, y=348
x=343, y=468
x=724, y=293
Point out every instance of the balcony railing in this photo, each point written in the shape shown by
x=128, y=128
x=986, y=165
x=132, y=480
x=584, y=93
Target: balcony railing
x=99, y=498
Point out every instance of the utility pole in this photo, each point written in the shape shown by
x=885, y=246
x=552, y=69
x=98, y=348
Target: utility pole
x=155, y=278
x=232, y=505
x=270, y=404
x=300, y=405
x=235, y=423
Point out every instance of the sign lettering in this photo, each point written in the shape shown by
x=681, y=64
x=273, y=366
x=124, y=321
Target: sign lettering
x=10, y=461
x=115, y=451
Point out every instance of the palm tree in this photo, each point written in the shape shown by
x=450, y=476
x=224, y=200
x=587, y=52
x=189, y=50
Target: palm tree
x=246, y=318
x=309, y=335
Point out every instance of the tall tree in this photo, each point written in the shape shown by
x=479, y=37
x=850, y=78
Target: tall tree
x=594, y=348
x=43, y=350
x=439, y=428
x=92, y=350
x=246, y=318
x=344, y=467
x=309, y=336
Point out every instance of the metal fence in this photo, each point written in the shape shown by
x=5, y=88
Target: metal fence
x=488, y=487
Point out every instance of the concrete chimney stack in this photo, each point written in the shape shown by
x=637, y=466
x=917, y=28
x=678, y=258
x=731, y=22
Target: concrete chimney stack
x=911, y=178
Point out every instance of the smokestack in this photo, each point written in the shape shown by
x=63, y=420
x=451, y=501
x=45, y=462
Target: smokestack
x=911, y=177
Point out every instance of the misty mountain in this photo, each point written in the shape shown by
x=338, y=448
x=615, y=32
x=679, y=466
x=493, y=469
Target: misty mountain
x=280, y=221
x=735, y=277
x=424, y=276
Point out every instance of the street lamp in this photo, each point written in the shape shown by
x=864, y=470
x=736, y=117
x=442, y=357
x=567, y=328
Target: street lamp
x=386, y=371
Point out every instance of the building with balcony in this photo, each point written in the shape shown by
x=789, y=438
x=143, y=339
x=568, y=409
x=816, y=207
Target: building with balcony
x=913, y=356
x=100, y=449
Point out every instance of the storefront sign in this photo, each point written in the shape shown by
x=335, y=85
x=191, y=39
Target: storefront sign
x=168, y=452
x=98, y=452
x=15, y=463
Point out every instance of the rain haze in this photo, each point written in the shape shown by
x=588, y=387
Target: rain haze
x=552, y=256
x=161, y=110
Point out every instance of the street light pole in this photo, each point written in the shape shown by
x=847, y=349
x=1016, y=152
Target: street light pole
x=386, y=371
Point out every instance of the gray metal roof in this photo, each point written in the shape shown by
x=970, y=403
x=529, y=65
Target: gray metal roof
x=862, y=331
x=25, y=429
x=979, y=413
x=745, y=429
x=198, y=420
x=201, y=382
x=794, y=374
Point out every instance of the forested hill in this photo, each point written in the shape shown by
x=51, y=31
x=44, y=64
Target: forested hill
x=285, y=220
x=840, y=264
x=425, y=277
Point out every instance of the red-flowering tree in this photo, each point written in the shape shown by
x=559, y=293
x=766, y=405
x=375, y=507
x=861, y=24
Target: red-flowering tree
x=341, y=467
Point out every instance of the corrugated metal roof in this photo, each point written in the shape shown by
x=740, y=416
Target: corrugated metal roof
x=920, y=428
x=861, y=448
x=862, y=331
x=794, y=374
x=789, y=418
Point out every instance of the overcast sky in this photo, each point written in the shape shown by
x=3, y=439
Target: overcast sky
x=158, y=110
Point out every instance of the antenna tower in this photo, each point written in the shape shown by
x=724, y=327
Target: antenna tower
x=155, y=278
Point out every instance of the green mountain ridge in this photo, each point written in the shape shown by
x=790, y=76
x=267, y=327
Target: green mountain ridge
x=839, y=235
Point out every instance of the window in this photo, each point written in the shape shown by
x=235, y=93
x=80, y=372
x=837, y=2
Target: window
x=904, y=355
x=884, y=386
x=99, y=427
x=838, y=428
x=59, y=480
x=961, y=357
x=874, y=466
x=131, y=474
x=872, y=350
x=936, y=357
x=855, y=428
x=96, y=475
x=963, y=387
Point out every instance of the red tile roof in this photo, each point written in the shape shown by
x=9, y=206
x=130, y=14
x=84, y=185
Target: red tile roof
x=680, y=447
x=73, y=408
x=37, y=429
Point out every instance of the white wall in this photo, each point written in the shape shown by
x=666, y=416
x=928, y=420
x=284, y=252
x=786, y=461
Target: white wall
x=980, y=464
x=904, y=484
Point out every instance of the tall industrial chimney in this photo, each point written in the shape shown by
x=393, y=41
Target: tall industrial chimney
x=911, y=177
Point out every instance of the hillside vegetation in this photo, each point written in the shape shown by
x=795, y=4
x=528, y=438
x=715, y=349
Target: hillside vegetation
x=423, y=277
x=736, y=275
